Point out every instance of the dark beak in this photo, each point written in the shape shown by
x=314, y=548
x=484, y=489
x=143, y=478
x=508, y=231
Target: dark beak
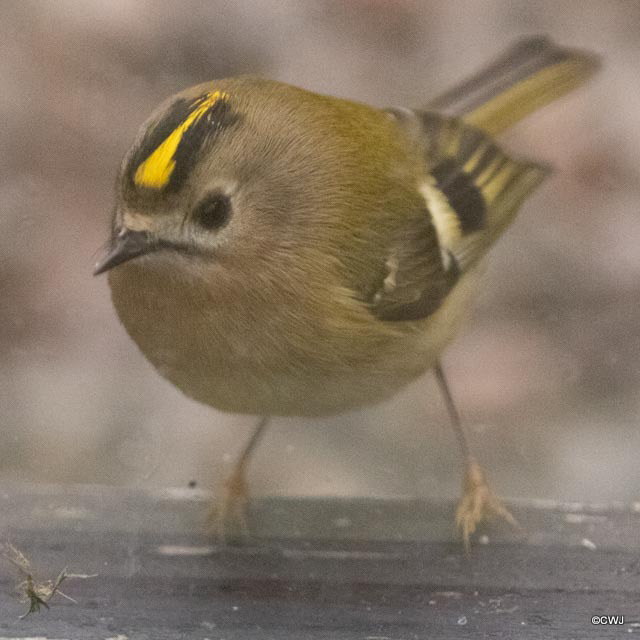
x=126, y=246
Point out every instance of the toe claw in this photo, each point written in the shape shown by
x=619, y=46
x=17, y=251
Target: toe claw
x=478, y=503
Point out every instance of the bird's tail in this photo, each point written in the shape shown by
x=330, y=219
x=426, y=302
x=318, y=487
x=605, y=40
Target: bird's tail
x=482, y=184
x=529, y=75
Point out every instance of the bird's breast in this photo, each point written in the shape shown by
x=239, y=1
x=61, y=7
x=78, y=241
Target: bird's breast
x=247, y=351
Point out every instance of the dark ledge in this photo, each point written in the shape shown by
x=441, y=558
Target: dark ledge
x=369, y=569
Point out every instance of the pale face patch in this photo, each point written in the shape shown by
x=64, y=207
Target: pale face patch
x=136, y=222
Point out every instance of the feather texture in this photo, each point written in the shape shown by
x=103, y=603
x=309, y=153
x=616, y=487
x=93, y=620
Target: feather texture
x=471, y=188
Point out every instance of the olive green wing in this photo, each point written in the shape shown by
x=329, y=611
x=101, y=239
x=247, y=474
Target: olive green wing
x=471, y=188
x=471, y=191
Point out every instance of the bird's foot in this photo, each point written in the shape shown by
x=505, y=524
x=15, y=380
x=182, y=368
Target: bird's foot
x=478, y=503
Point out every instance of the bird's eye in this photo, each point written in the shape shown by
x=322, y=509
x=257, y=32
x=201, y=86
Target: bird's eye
x=213, y=212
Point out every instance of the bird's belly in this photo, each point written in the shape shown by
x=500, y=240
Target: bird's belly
x=234, y=360
x=254, y=379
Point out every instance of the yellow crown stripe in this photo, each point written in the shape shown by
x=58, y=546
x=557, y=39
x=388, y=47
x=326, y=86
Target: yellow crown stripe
x=156, y=170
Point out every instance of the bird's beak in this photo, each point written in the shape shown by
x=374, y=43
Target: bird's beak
x=126, y=246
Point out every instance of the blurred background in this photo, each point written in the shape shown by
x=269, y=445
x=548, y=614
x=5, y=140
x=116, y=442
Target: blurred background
x=547, y=374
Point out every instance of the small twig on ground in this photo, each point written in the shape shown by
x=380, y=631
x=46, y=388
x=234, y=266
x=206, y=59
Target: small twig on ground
x=36, y=592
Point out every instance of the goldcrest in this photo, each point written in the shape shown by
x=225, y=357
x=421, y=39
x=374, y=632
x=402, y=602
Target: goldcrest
x=282, y=253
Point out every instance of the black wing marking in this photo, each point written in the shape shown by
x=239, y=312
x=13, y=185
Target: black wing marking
x=471, y=191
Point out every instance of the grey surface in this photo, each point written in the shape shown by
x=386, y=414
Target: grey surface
x=320, y=568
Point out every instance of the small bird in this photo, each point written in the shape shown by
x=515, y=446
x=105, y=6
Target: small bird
x=282, y=253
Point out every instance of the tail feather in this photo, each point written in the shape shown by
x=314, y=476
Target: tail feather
x=529, y=75
x=475, y=188
x=471, y=187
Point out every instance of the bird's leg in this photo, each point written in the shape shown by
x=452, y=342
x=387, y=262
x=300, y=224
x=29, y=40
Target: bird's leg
x=231, y=514
x=478, y=501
